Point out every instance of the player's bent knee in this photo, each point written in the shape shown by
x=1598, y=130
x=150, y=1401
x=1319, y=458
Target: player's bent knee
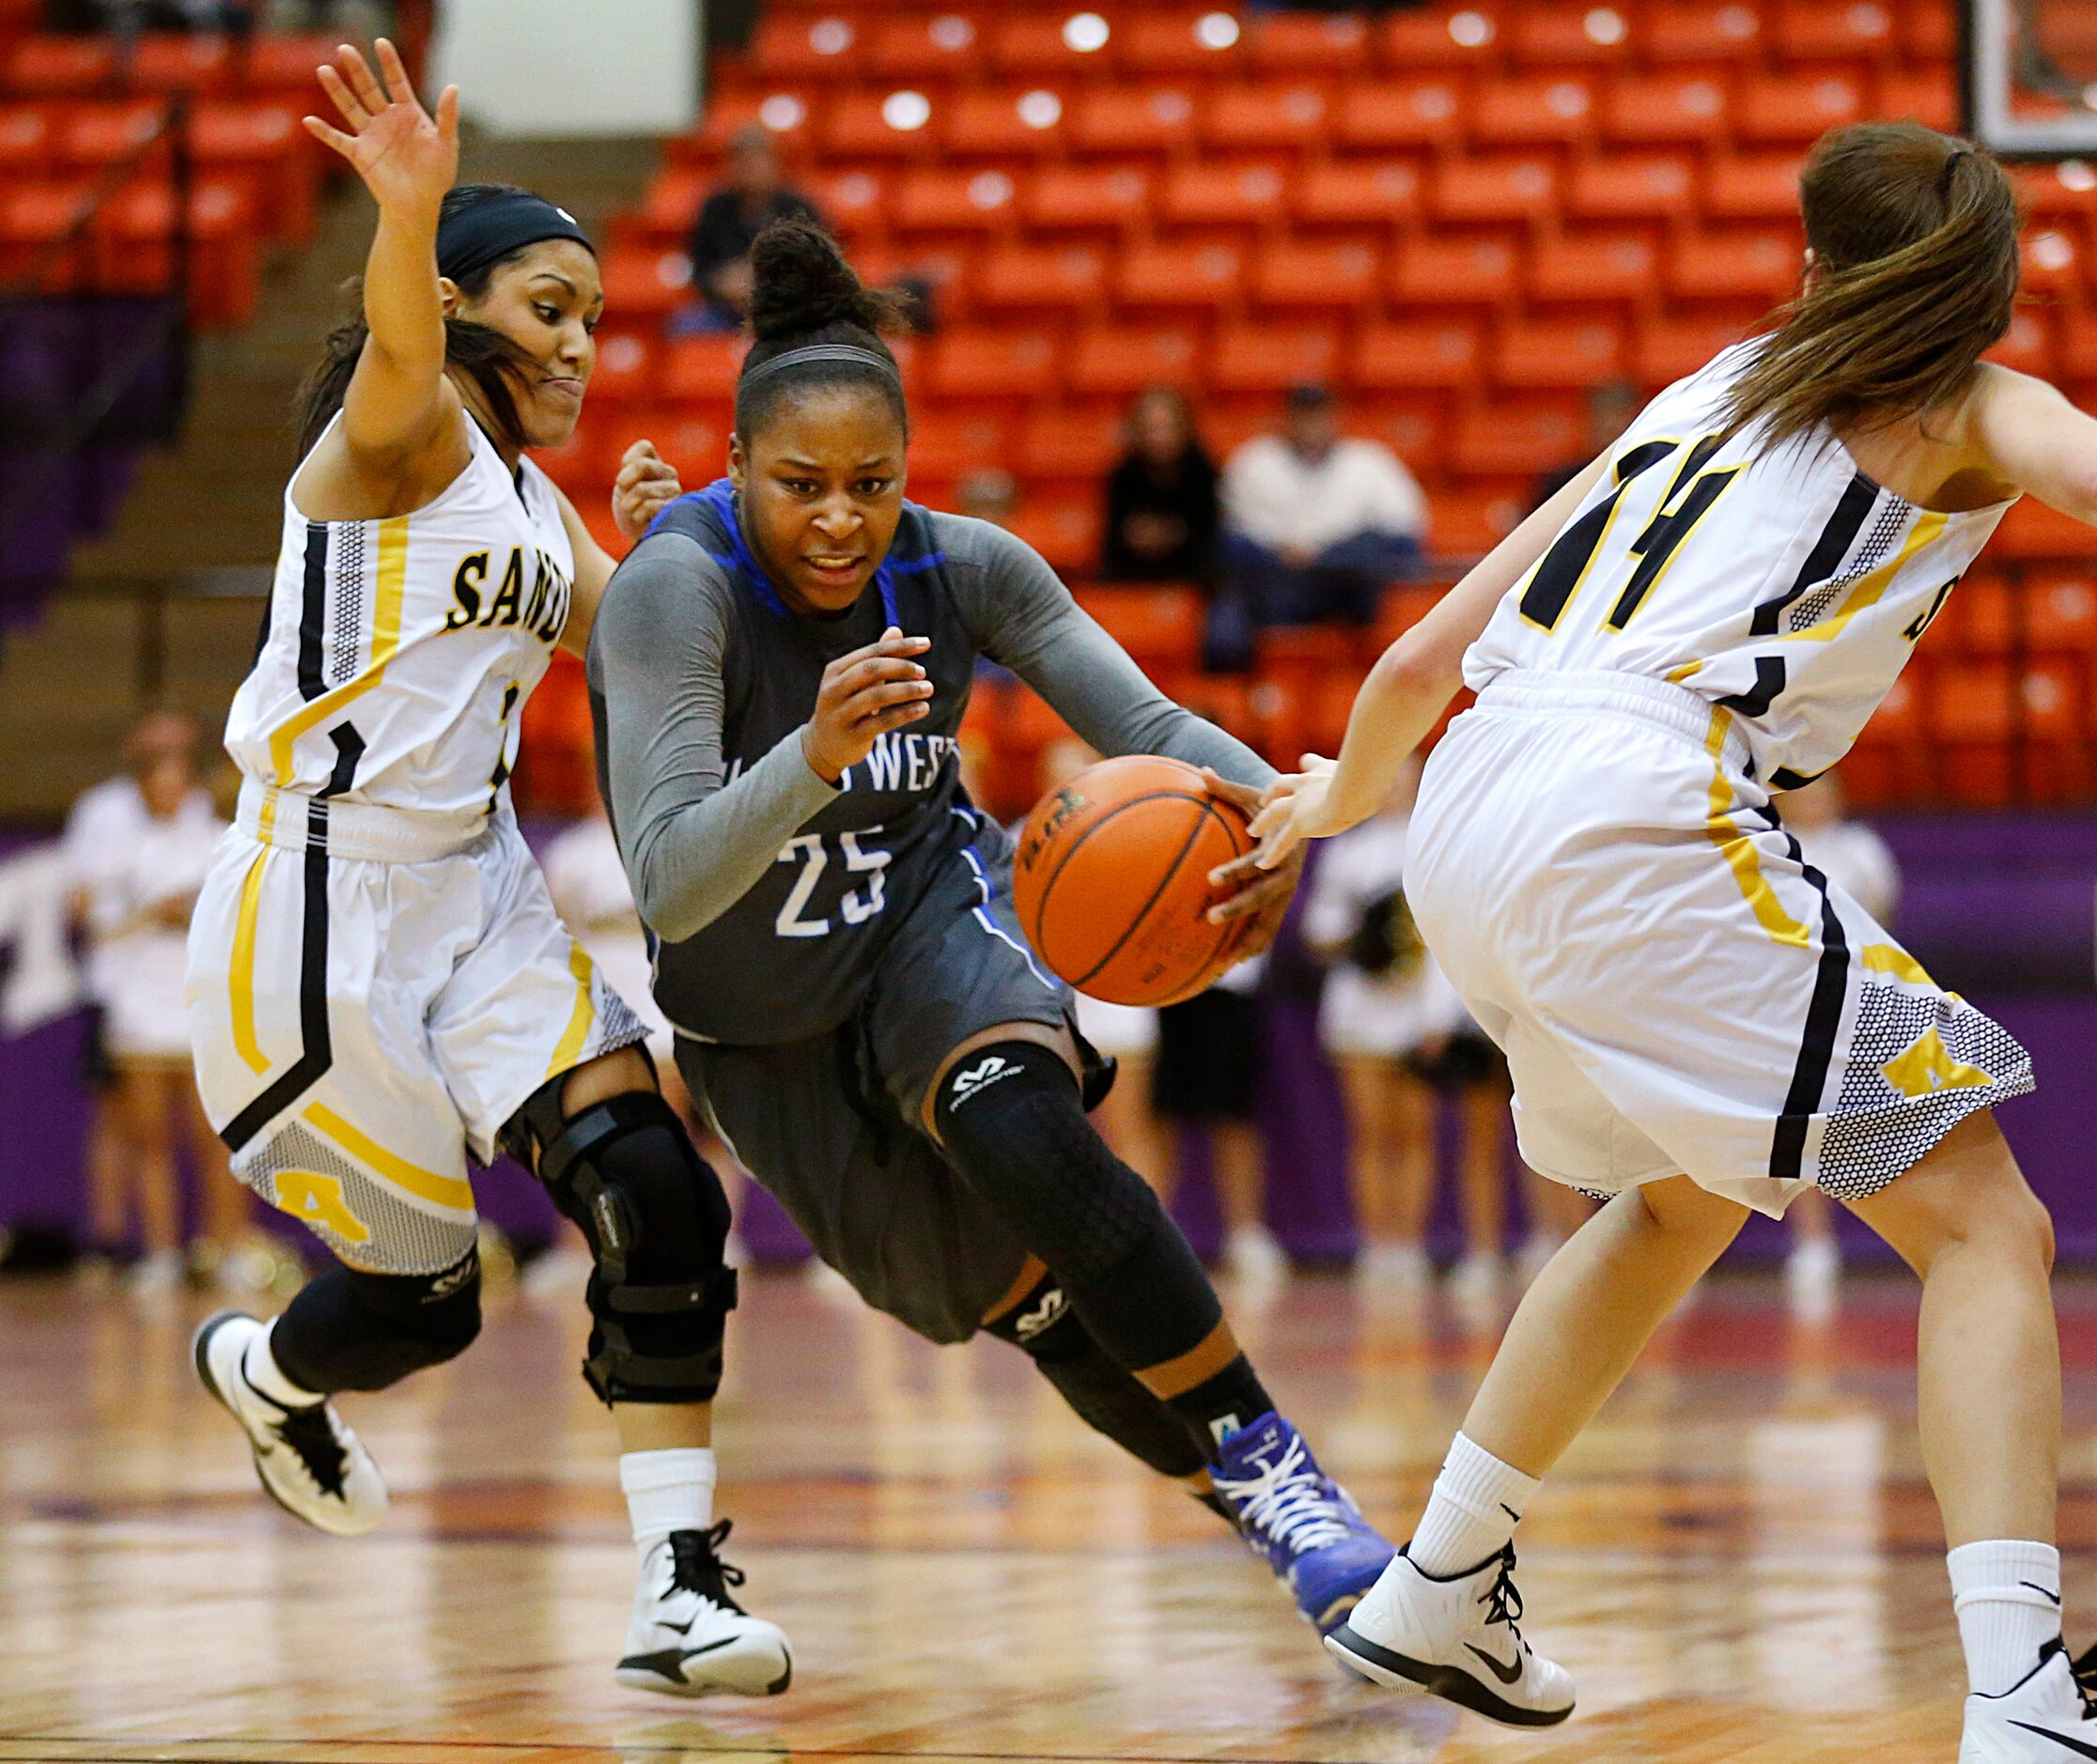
x=624, y=1170
x=351, y=1329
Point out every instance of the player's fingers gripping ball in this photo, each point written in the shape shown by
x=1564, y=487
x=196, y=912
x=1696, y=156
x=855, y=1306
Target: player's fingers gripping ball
x=1112, y=880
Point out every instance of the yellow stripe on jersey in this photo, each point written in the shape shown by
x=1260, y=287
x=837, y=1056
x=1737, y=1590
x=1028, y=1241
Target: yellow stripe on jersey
x=426, y=1184
x=578, y=1031
x=389, y=592
x=1739, y=848
x=242, y=984
x=1929, y=527
x=1887, y=958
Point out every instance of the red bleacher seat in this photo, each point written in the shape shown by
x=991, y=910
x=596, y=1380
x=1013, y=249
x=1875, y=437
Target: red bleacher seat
x=2031, y=530
x=136, y=247
x=1210, y=194
x=260, y=144
x=1399, y=114
x=1040, y=44
x=1429, y=272
x=1361, y=193
x=62, y=67
x=1736, y=267
x=1929, y=96
x=945, y=444
x=788, y=46
x=94, y=135
x=1517, y=438
x=1534, y=111
x=878, y=125
x=1005, y=123
x=855, y=203
x=1856, y=31
x=1486, y=191
x=182, y=62
x=1203, y=42
x=1789, y=108
x=696, y=442
x=1666, y=351
x=25, y=142
x=1468, y=524
x=1438, y=39
x=1665, y=108
x=284, y=64
x=2060, y=614
x=1268, y=358
x=998, y=363
x=1562, y=36
x=1065, y=534
x=1714, y=31
x=2030, y=346
x=1538, y=356
x=1391, y=356
x=1649, y=186
x=1315, y=276
x=1027, y=278
x=1073, y=199
x=1070, y=446
x=1302, y=42
x=946, y=45
x=1929, y=30
x=627, y=368
x=1251, y=117
x=700, y=370
x=1160, y=626
x=945, y=202
x=1119, y=359
x=1985, y=614
x=1178, y=276
x=1758, y=187
x=1133, y=120
x=644, y=285
x=1580, y=270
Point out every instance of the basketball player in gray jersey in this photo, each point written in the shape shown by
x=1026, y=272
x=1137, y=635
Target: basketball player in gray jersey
x=779, y=675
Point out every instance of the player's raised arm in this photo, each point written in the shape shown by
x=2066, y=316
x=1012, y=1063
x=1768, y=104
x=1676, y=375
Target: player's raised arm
x=1407, y=691
x=2032, y=437
x=407, y=159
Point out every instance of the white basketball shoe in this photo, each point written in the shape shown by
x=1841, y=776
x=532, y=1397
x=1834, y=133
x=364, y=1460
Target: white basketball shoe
x=2047, y=1718
x=689, y=1637
x=1456, y=1638
x=310, y=1462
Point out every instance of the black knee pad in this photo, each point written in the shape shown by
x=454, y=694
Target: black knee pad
x=1013, y=1125
x=626, y=1172
x=1107, y=1399
x=349, y=1330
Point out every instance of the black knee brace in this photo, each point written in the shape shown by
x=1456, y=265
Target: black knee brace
x=1107, y=1399
x=1013, y=1129
x=624, y=1170
x=349, y=1330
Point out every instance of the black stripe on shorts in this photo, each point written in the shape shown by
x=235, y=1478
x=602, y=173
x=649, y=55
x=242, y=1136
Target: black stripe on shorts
x=1816, y=1049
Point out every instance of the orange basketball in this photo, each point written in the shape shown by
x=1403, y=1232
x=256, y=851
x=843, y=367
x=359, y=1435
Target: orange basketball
x=1112, y=880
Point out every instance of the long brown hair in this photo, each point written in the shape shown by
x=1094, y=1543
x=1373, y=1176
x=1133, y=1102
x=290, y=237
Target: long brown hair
x=1915, y=244
x=486, y=355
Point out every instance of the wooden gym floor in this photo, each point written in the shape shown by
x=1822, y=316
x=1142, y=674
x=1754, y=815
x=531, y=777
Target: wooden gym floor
x=1741, y=1561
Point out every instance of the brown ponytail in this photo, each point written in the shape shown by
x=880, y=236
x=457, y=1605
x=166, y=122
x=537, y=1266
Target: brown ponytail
x=1915, y=246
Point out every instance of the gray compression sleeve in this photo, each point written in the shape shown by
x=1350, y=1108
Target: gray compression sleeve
x=693, y=845
x=1022, y=616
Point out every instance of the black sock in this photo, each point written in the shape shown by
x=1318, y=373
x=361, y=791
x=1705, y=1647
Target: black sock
x=1223, y=1404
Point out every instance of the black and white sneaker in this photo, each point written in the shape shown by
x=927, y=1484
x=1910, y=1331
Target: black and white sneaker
x=310, y=1462
x=2047, y=1718
x=689, y=1637
x=1456, y=1638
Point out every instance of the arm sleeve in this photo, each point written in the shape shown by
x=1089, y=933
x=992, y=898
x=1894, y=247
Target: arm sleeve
x=1022, y=616
x=693, y=844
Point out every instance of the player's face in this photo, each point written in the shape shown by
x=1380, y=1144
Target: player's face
x=822, y=489
x=548, y=303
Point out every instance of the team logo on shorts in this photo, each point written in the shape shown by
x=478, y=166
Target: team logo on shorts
x=976, y=1079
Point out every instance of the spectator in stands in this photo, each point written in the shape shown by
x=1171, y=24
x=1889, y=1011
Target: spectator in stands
x=1853, y=858
x=1610, y=408
x=754, y=195
x=1315, y=525
x=1161, y=498
x=138, y=848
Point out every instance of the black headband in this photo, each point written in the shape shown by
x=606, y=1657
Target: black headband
x=809, y=353
x=491, y=228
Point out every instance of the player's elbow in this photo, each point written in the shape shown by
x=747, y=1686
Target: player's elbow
x=1410, y=668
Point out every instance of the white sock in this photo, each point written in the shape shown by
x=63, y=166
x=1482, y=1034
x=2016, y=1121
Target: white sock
x=666, y=1492
x=259, y=1367
x=2007, y=1594
x=1471, y=1515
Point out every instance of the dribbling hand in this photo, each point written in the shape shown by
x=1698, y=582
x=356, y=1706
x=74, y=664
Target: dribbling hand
x=646, y=484
x=863, y=696
x=406, y=158
x=1260, y=892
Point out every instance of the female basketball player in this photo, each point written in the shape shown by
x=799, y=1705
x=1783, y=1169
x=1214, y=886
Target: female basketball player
x=778, y=678
x=379, y=988
x=1697, y=1021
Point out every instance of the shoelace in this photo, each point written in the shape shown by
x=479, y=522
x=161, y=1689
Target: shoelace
x=1502, y=1599
x=306, y=1431
x=1290, y=1501
x=2084, y=1671
x=696, y=1565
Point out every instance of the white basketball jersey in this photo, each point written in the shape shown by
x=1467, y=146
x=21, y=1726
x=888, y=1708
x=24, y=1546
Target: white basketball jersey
x=1787, y=587
x=397, y=652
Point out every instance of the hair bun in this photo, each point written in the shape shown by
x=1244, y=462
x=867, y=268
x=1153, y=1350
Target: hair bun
x=801, y=282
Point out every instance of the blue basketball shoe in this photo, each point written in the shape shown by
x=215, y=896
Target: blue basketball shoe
x=1305, y=1523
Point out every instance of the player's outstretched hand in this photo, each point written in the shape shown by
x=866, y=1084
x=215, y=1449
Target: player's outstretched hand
x=406, y=158
x=1259, y=894
x=1296, y=807
x=863, y=696
x=646, y=484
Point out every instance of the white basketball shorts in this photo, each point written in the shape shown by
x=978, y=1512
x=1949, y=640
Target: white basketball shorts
x=368, y=1008
x=1676, y=991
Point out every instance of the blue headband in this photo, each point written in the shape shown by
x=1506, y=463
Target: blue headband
x=485, y=233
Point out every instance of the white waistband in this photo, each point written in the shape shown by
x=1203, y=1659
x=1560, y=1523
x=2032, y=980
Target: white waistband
x=287, y=821
x=1661, y=702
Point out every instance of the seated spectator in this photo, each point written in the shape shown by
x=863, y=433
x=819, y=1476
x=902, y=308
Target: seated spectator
x=755, y=194
x=1315, y=525
x=1161, y=506
x=1610, y=408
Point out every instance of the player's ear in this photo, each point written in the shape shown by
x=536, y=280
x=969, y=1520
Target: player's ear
x=738, y=464
x=449, y=297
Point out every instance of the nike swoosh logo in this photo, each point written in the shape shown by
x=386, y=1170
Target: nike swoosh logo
x=681, y=1628
x=2041, y=1590
x=2077, y=1746
x=1512, y=1675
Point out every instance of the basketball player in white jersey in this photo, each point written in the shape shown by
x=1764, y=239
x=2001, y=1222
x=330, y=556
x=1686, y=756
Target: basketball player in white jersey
x=1698, y=1022
x=379, y=988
